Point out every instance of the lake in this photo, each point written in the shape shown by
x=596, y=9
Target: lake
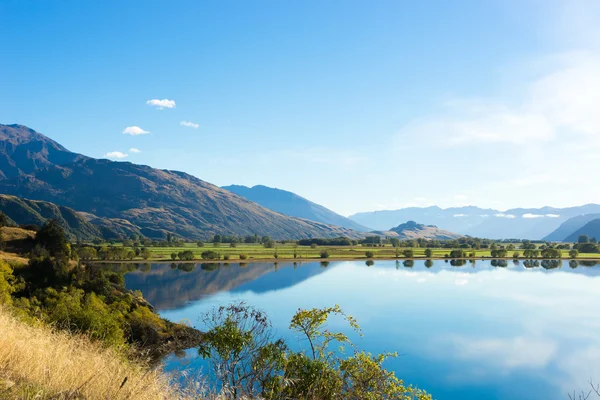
x=463, y=332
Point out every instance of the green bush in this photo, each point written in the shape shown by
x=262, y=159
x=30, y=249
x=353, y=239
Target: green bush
x=242, y=350
x=243, y=256
x=324, y=254
x=369, y=254
x=210, y=255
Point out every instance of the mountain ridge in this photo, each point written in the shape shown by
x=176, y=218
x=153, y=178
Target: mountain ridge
x=294, y=205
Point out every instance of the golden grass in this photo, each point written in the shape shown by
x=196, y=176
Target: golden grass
x=13, y=233
x=38, y=362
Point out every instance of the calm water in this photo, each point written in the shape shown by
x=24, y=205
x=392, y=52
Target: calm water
x=469, y=332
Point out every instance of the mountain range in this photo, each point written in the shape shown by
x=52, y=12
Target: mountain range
x=291, y=204
x=41, y=179
x=518, y=223
x=155, y=201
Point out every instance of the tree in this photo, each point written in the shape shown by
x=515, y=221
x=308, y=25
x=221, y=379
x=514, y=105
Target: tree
x=408, y=253
x=428, y=252
x=145, y=253
x=200, y=244
x=52, y=237
x=324, y=254
x=173, y=256
x=573, y=253
x=3, y=220
x=369, y=254
x=87, y=253
x=583, y=239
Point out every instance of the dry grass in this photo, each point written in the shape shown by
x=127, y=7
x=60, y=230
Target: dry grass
x=37, y=362
x=12, y=257
x=13, y=233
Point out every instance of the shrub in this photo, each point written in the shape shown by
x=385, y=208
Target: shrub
x=210, y=255
x=243, y=351
x=313, y=246
x=186, y=255
x=243, y=256
x=226, y=256
x=573, y=253
x=173, y=256
x=369, y=254
x=408, y=253
x=428, y=252
x=200, y=244
x=324, y=254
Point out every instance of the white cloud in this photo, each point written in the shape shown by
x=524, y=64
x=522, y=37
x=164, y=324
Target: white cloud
x=134, y=150
x=160, y=104
x=189, y=124
x=460, y=197
x=115, y=155
x=553, y=215
x=502, y=215
x=529, y=216
x=459, y=215
x=134, y=131
x=523, y=352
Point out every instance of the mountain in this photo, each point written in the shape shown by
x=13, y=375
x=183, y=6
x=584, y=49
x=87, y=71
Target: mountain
x=412, y=230
x=155, y=201
x=291, y=204
x=23, y=150
x=569, y=226
x=520, y=223
x=592, y=229
x=76, y=225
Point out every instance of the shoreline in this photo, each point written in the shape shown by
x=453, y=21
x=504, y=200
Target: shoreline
x=276, y=260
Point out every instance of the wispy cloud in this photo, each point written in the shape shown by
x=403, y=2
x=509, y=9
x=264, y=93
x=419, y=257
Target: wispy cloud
x=189, y=124
x=134, y=131
x=116, y=155
x=160, y=104
x=134, y=150
x=502, y=215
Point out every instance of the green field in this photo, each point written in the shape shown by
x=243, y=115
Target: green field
x=286, y=252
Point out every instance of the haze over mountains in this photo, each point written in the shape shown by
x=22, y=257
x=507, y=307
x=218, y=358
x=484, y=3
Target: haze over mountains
x=520, y=223
x=155, y=201
x=289, y=203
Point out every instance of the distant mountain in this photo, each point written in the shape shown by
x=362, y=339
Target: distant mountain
x=291, y=204
x=519, y=223
x=569, y=226
x=412, y=230
x=156, y=201
x=592, y=229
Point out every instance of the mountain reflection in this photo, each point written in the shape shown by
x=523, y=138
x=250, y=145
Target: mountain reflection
x=172, y=285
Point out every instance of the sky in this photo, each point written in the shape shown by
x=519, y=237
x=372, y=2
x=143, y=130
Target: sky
x=355, y=105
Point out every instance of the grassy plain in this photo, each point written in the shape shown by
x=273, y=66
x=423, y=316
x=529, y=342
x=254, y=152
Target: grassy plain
x=286, y=252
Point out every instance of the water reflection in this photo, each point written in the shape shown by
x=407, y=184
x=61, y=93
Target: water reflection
x=500, y=329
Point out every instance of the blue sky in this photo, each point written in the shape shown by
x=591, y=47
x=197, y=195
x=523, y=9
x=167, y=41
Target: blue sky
x=357, y=105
